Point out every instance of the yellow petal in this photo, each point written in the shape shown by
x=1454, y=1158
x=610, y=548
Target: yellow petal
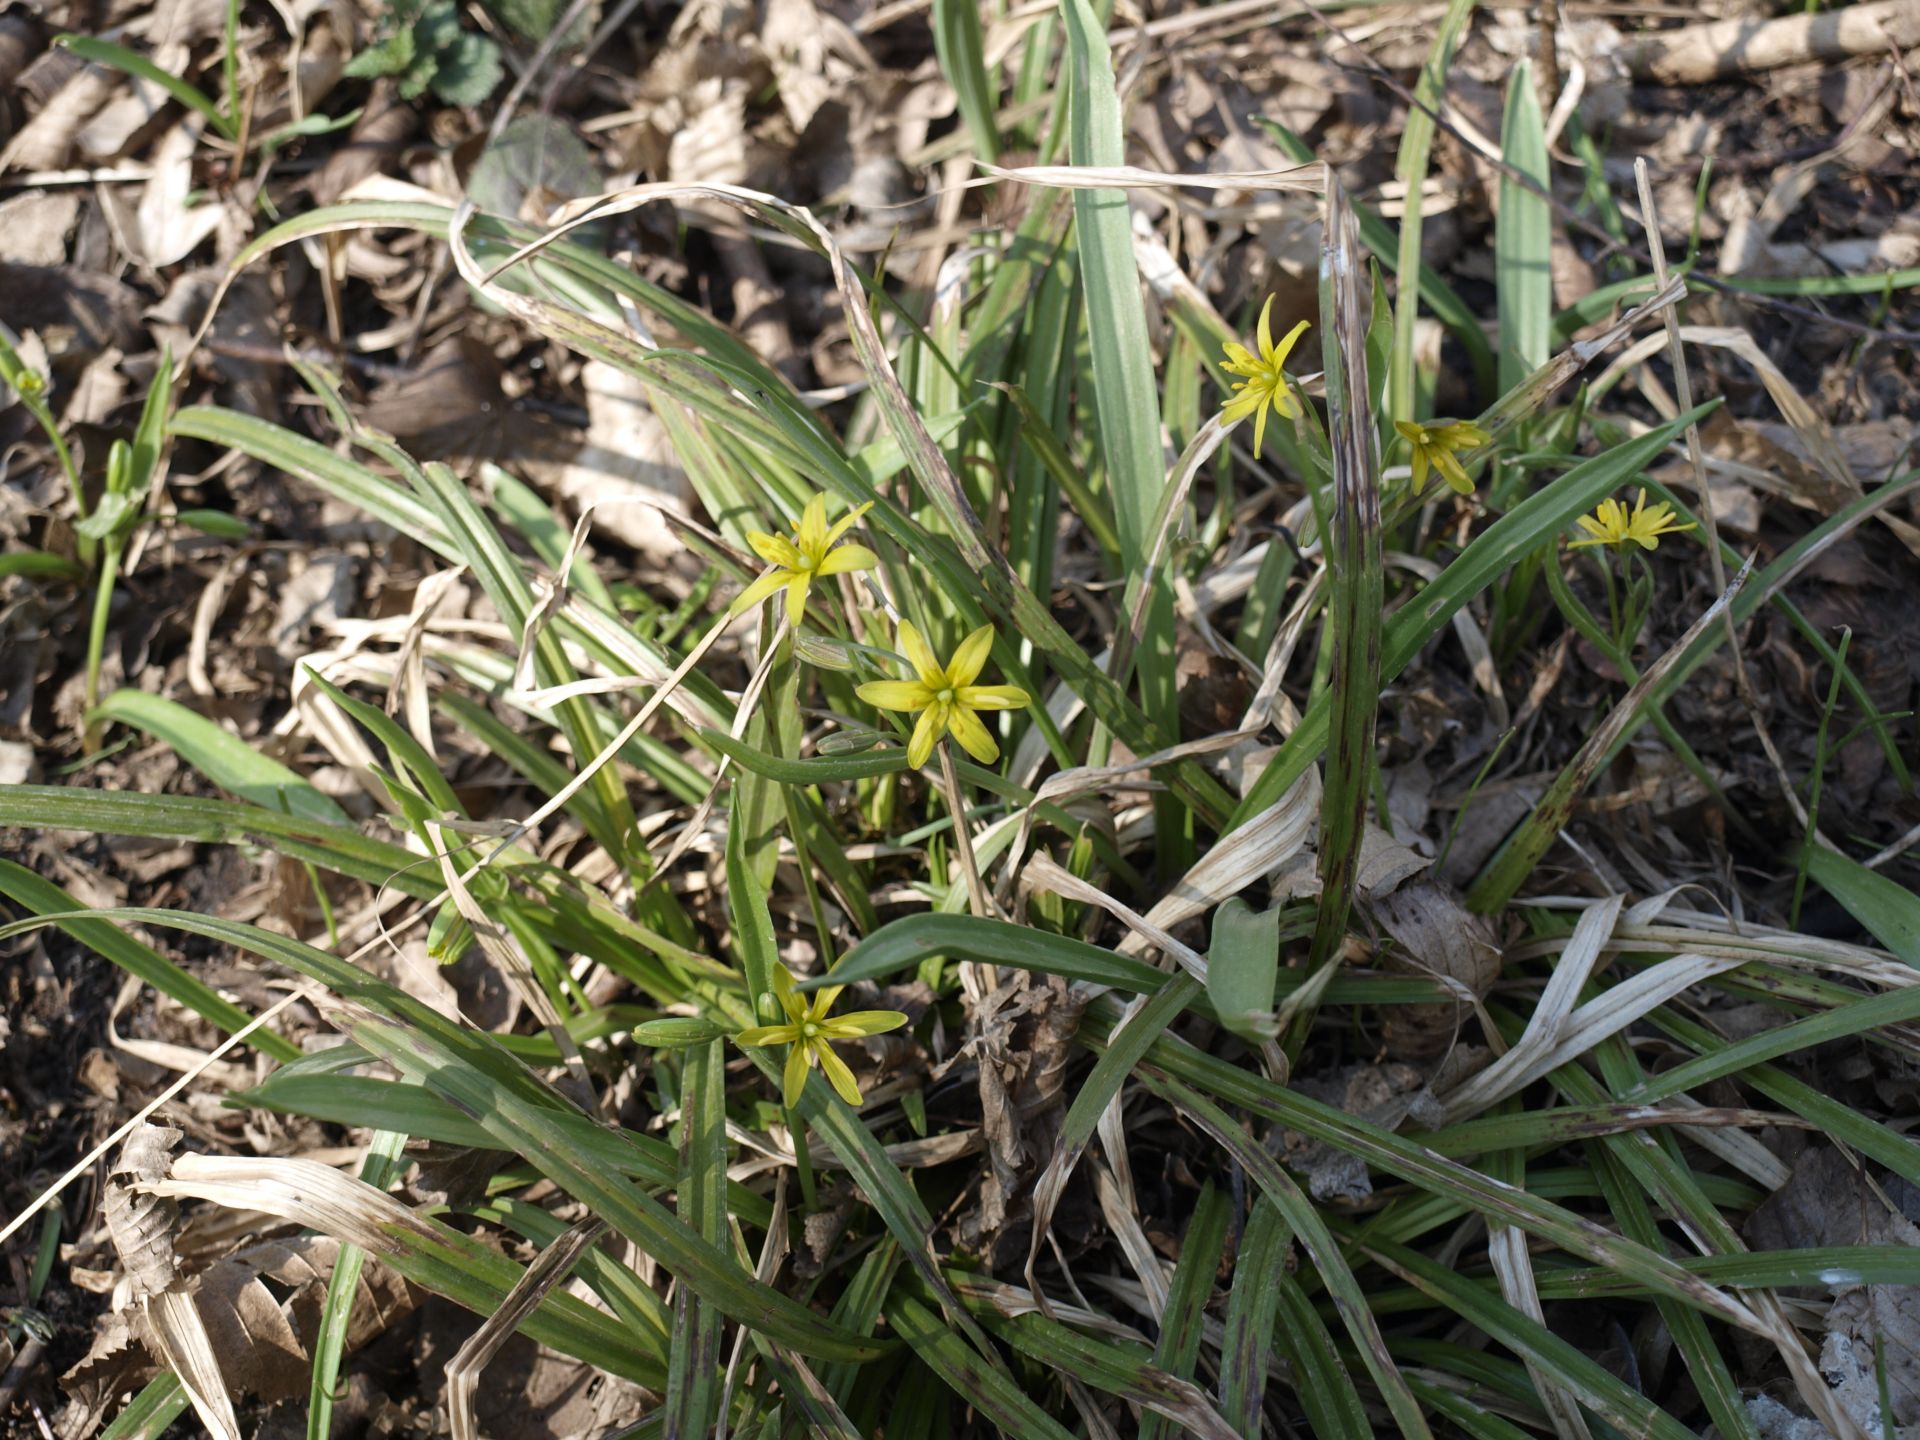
x=1266, y=331
x=797, y=600
x=1593, y=527
x=1285, y=347
x=974, y=738
x=992, y=697
x=1238, y=407
x=907, y=695
x=792, y=1005
x=767, y=1035
x=1420, y=464
x=926, y=730
x=793, y=1079
x=837, y=1073
x=971, y=657
x=864, y=1022
x=1454, y=472
x=1260, y=426
x=846, y=558
x=1413, y=434
x=919, y=655
x=774, y=549
x=759, y=590
x=823, y=1001
x=846, y=521
x=812, y=535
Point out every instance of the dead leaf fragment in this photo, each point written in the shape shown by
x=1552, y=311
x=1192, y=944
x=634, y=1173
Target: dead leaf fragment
x=1437, y=936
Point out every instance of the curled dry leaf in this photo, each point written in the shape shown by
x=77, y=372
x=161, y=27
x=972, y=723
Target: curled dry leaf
x=266, y=1343
x=142, y=1226
x=1022, y=1038
x=1434, y=935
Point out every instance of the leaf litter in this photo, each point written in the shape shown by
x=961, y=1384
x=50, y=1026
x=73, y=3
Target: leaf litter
x=852, y=113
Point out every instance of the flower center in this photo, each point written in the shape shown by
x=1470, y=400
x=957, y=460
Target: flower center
x=808, y=1030
x=945, y=697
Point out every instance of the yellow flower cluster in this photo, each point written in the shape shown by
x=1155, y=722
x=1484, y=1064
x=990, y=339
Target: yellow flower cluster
x=947, y=699
x=1613, y=524
x=809, y=1032
x=1264, y=389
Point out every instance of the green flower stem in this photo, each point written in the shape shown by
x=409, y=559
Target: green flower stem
x=97, y=634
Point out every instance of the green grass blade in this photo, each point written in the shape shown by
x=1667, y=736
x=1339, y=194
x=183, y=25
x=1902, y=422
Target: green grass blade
x=306, y=1087
x=1251, y=1312
x=521, y=506
x=1183, y=1323
x=1596, y=1387
x=1889, y=910
x=638, y=1307
x=220, y=755
x=311, y=461
x=958, y=43
x=104, y=812
x=902, y=944
x=1321, y=1378
x=1115, y=1370
x=985, y=1388
x=1355, y=568
x=161, y=1401
x=343, y=1288
x=1828, y=1115
x=693, y=1365
x=1523, y=235
x=1416, y=144
x=1864, y=1017
x=105, y=52
x=1127, y=396
x=1311, y=1230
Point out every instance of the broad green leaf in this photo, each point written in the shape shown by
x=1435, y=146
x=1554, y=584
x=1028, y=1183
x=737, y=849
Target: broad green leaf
x=1889, y=910
x=221, y=756
x=1243, y=963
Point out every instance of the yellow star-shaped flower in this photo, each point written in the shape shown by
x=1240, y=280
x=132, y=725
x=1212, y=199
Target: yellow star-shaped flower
x=1433, y=443
x=1613, y=524
x=808, y=556
x=945, y=697
x=809, y=1033
x=1265, y=386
